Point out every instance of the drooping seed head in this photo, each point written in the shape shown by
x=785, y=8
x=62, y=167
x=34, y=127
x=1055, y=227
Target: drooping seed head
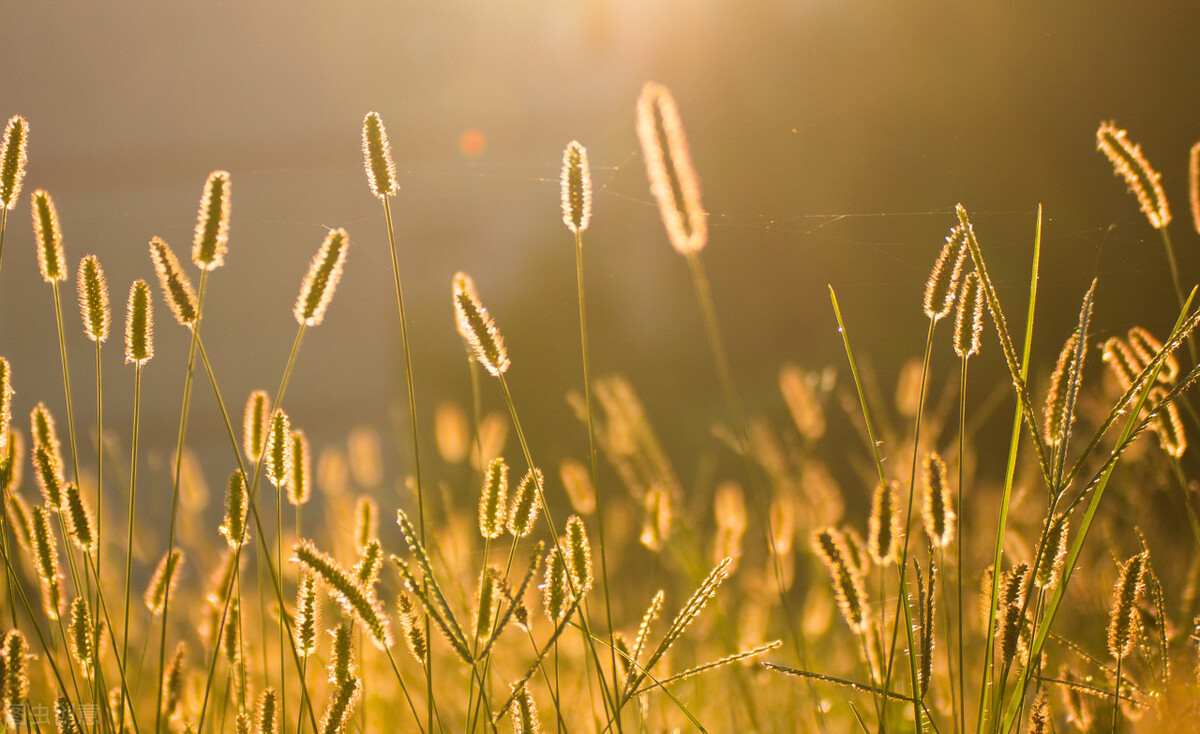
x=673, y=180
x=51, y=260
x=254, y=424
x=318, y=286
x=48, y=469
x=308, y=621
x=856, y=549
x=1039, y=716
x=942, y=286
x=299, y=482
x=1049, y=566
x=165, y=575
x=576, y=188
x=526, y=504
x=377, y=154
x=847, y=581
x=1146, y=348
x=524, y=711
x=938, y=511
x=45, y=559
x=176, y=287
x=577, y=481
x=883, y=527
x=332, y=472
x=968, y=319
x=1122, y=360
x=366, y=571
x=354, y=598
x=93, y=299
x=139, y=324
x=476, y=324
x=236, y=504
x=1129, y=163
x=80, y=525
x=211, y=240
x=1168, y=425
x=1122, y=620
x=266, y=719
x=493, y=501
x=579, y=555
x=279, y=448
x=803, y=404
x=487, y=601
x=414, y=632
x=12, y=160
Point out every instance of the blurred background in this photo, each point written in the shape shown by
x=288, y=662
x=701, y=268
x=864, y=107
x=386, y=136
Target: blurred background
x=832, y=141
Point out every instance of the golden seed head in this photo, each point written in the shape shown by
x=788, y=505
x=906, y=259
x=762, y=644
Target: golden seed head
x=968, y=318
x=84, y=643
x=12, y=160
x=45, y=558
x=453, y=432
x=80, y=525
x=1050, y=565
x=355, y=599
x=366, y=571
x=1146, y=348
x=177, y=288
x=579, y=555
x=139, y=324
x=576, y=188
x=555, y=592
x=1168, y=425
x=847, y=581
x=658, y=519
x=236, y=505
x=316, y=291
x=524, y=711
x=883, y=527
x=1122, y=621
x=729, y=507
x=341, y=707
x=254, y=424
x=14, y=688
x=1129, y=163
x=366, y=522
x=942, y=286
x=163, y=579
x=341, y=659
x=1054, y=415
x=93, y=299
x=332, y=472
x=781, y=514
x=414, y=632
x=48, y=469
x=526, y=504
x=475, y=323
x=938, y=509
x=279, y=449
x=51, y=260
x=307, y=615
x=266, y=719
x=211, y=240
x=377, y=154
x=173, y=680
x=493, y=500
x=299, y=482
x=1122, y=360
x=577, y=481
x=6, y=393
x=487, y=601
x=673, y=181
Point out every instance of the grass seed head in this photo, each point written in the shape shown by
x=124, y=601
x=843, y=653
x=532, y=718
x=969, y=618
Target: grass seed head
x=1122, y=360
x=1049, y=567
x=236, y=505
x=366, y=463
x=579, y=555
x=487, y=601
x=254, y=424
x=555, y=591
x=211, y=240
x=84, y=645
x=366, y=521
x=165, y=575
x=1122, y=620
x=354, y=598
x=279, y=449
x=453, y=433
x=13, y=156
x=493, y=501
x=526, y=503
x=658, y=518
x=93, y=299
x=318, y=286
x=803, y=404
x=1194, y=183
x=673, y=180
x=15, y=688
x=1129, y=163
x=139, y=324
x=64, y=716
x=938, y=509
x=366, y=571
x=173, y=681
x=80, y=525
x=524, y=711
x=299, y=482
x=308, y=622
x=1168, y=425
x=49, y=472
x=414, y=631
x=883, y=526
x=968, y=318
x=1145, y=347
x=377, y=155
x=45, y=559
x=476, y=324
x=52, y=261
x=341, y=707
x=942, y=286
x=176, y=287
x=576, y=188
x=577, y=481
x=266, y=719
x=847, y=581
x=341, y=658
x=1054, y=415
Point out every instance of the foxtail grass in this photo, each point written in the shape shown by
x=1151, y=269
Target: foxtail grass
x=13, y=157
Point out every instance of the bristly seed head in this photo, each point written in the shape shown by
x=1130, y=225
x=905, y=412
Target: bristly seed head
x=942, y=286
x=476, y=324
x=164, y=577
x=176, y=286
x=883, y=527
x=93, y=299
x=377, y=154
x=211, y=240
x=526, y=504
x=1123, y=623
x=316, y=291
x=673, y=181
x=968, y=320
x=254, y=425
x=46, y=230
x=938, y=510
x=1129, y=163
x=579, y=555
x=236, y=504
x=576, y=188
x=45, y=557
x=279, y=449
x=847, y=581
x=1146, y=348
x=493, y=501
x=139, y=324
x=299, y=482
x=1194, y=184
x=80, y=525
x=12, y=160
x=1054, y=415
x=1050, y=565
